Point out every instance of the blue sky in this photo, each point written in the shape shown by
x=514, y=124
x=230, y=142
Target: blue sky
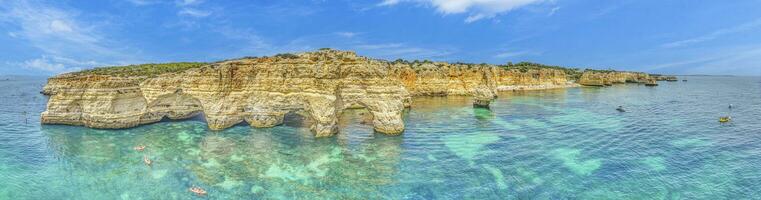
x=676, y=37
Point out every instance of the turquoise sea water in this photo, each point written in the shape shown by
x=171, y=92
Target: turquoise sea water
x=553, y=144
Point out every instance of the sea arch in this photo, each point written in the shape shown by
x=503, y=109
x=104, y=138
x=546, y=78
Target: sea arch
x=175, y=106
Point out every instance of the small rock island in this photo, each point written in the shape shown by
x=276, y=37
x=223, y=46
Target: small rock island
x=318, y=85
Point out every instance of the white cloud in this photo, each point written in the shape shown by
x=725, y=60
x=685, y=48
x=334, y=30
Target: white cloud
x=44, y=65
x=56, y=64
x=715, y=34
x=388, y=2
x=185, y=7
x=742, y=60
x=60, y=26
x=400, y=50
x=512, y=54
x=476, y=9
x=52, y=30
x=59, y=35
x=347, y=34
x=553, y=11
x=143, y=2
x=190, y=8
x=188, y=2
x=194, y=12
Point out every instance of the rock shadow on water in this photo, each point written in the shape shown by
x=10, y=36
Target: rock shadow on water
x=655, y=163
x=526, y=179
x=571, y=160
x=483, y=114
x=470, y=145
x=316, y=164
x=499, y=178
x=509, y=128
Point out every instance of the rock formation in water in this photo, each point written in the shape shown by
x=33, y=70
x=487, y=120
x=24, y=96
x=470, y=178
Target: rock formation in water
x=607, y=78
x=659, y=77
x=261, y=91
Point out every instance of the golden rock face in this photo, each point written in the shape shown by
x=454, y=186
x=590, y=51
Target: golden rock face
x=261, y=91
x=608, y=78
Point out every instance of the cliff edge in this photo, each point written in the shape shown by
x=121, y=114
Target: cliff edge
x=261, y=91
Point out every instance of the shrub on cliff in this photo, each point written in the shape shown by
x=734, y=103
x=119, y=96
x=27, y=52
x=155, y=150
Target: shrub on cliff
x=287, y=55
x=401, y=61
x=151, y=69
x=600, y=70
x=525, y=66
x=571, y=73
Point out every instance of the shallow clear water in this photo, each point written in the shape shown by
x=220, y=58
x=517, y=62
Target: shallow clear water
x=554, y=144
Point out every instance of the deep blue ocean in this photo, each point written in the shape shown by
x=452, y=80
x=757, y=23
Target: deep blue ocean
x=551, y=144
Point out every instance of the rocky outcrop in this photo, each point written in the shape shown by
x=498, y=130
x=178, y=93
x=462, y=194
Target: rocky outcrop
x=659, y=77
x=532, y=79
x=607, y=78
x=261, y=91
x=442, y=79
x=651, y=82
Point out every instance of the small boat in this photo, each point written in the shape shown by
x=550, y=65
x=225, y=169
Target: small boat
x=725, y=119
x=620, y=109
x=139, y=148
x=198, y=191
x=147, y=160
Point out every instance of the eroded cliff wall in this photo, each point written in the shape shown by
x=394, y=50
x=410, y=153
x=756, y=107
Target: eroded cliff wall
x=261, y=91
x=607, y=78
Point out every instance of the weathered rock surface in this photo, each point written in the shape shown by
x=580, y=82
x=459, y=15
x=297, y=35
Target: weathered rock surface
x=533, y=79
x=261, y=91
x=659, y=77
x=607, y=78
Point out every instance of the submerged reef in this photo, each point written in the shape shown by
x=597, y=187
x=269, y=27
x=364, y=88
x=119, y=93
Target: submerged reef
x=318, y=85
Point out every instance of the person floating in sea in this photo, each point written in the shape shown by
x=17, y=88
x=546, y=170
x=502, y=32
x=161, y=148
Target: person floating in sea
x=730, y=106
x=139, y=148
x=147, y=160
x=198, y=191
x=620, y=109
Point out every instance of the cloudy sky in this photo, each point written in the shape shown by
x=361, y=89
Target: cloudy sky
x=660, y=36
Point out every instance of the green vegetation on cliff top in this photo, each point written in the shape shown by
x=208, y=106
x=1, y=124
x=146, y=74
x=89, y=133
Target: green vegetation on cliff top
x=154, y=69
x=572, y=73
x=142, y=69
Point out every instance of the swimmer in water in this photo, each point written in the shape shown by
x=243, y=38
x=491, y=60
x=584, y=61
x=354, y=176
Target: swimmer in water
x=147, y=160
x=198, y=190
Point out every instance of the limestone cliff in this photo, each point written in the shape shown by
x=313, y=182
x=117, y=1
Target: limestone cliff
x=261, y=91
x=659, y=77
x=607, y=78
x=533, y=79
